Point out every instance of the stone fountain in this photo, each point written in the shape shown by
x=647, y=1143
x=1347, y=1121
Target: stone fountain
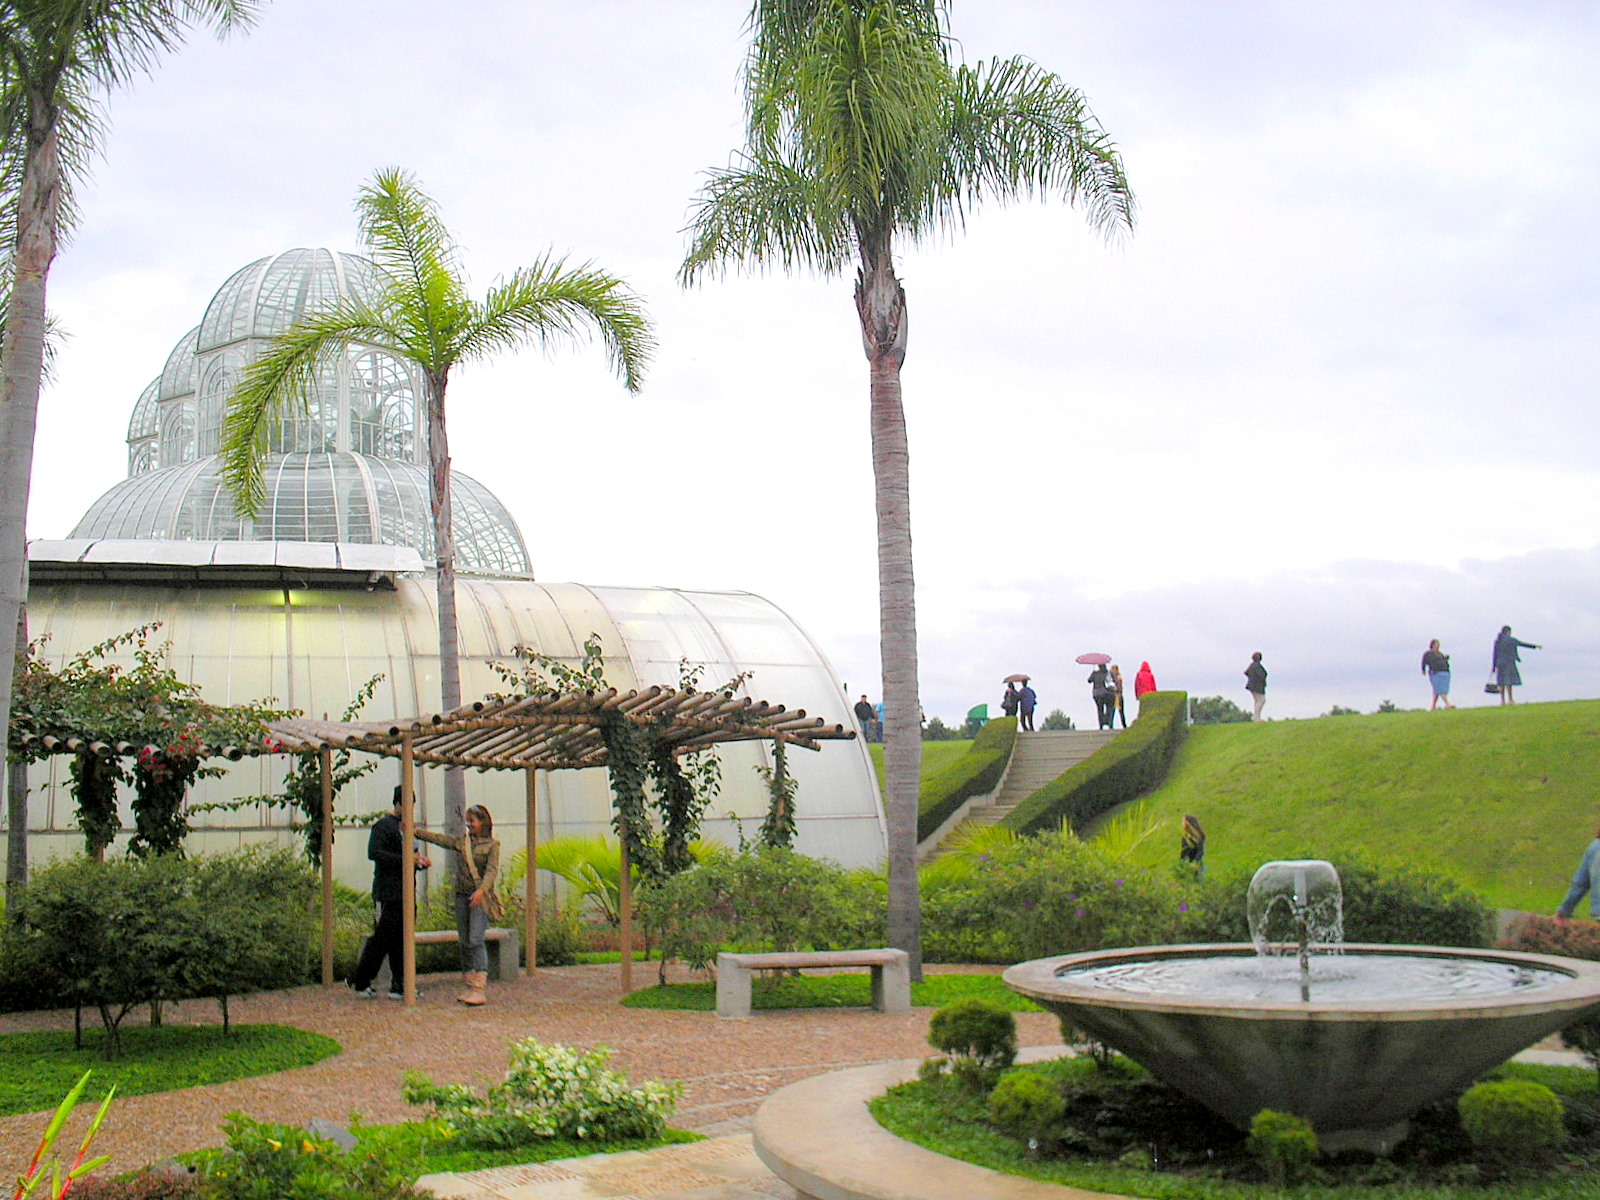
x=1353, y=1038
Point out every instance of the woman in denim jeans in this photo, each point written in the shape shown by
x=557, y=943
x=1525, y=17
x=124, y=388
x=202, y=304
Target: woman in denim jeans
x=476, y=901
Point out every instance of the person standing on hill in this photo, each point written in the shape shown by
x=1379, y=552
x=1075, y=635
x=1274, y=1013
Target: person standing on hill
x=1255, y=682
x=1118, y=707
x=867, y=718
x=1506, y=658
x=1027, y=700
x=1104, y=700
x=1586, y=882
x=1143, y=683
x=1436, y=666
x=1010, y=701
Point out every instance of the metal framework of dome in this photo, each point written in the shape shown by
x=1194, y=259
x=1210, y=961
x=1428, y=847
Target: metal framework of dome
x=348, y=467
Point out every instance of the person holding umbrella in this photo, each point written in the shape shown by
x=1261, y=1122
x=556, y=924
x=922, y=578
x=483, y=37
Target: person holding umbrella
x=1026, y=700
x=1105, y=698
x=1011, y=700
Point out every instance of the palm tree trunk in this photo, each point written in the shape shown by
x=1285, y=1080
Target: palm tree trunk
x=21, y=373
x=881, y=306
x=17, y=813
x=444, y=548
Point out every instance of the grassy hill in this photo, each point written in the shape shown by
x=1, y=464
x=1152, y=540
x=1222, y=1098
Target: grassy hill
x=1501, y=799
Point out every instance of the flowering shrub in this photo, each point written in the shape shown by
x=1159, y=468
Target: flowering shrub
x=549, y=1092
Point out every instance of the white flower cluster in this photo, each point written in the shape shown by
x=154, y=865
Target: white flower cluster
x=553, y=1091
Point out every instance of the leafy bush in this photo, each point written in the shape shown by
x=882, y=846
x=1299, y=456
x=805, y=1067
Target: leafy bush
x=1133, y=764
x=1052, y=894
x=978, y=1038
x=1513, y=1119
x=764, y=899
x=975, y=773
x=549, y=1092
x=1024, y=1106
x=282, y=1162
x=1387, y=904
x=1215, y=710
x=1535, y=934
x=118, y=934
x=1284, y=1144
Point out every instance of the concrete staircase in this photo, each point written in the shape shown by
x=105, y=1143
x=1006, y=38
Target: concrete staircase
x=1038, y=759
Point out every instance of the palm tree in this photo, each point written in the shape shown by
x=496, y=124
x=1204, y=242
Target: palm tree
x=425, y=314
x=57, y=57
x=861, y=129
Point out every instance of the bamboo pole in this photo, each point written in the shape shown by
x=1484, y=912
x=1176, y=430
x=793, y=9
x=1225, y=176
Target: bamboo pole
x=325, y=769
x=408, y=876
x=625, y=905
x=530, y=903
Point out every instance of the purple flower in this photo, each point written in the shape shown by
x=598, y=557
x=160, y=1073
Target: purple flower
x=1183, y=908
x=1079, y=913
x=1119, y=883
x=1027, y=904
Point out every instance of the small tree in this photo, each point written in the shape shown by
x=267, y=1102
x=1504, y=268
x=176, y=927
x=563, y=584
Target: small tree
x=1057, y=720
x=1215, y=710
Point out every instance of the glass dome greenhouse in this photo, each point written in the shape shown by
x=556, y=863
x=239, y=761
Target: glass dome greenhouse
x=332, y=584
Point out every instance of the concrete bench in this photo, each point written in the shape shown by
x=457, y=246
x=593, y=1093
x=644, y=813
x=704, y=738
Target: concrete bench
x=891, y=975
x=504, y=947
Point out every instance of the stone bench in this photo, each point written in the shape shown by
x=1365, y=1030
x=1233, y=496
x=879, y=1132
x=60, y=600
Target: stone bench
x=504, y=947
x=891, y=975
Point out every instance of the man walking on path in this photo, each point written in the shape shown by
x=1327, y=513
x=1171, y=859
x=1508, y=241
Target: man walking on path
x=1255, y=682
x=384, y=845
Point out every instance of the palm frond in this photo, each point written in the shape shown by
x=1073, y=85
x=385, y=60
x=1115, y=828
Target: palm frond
x=1017, y=130
x=547, y=302
x=284, y=378
x=766, y=213
x=405, y=237
x=111, y=41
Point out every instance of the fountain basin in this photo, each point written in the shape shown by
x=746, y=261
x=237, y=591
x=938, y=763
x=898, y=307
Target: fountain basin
x=1355, y=1067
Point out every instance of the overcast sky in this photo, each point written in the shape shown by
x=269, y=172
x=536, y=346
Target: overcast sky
x=1334, y=397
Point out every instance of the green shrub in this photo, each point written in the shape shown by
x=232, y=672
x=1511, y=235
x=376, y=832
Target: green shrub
x=118, y=934
x=1134, y=763
x=1513, y=1119
x=975, y=1029
x=280, y=1162
x=1051, y=894
x=1387, y=904
x=1535, y=934
x=975, y=773
x=765, y=899
x=1024, y=1106
x=549, y=1092
x=1283, y=1143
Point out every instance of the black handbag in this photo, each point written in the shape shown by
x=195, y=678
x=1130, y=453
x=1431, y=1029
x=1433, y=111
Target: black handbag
x=1492, y=688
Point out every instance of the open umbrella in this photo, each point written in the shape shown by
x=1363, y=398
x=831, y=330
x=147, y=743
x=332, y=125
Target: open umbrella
x=1094, y=659
x=1020, y=678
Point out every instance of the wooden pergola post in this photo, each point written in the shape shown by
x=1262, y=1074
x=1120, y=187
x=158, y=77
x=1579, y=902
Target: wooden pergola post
x=625, y=907
x=325, y=768
x=530, y=902
x=408, y=877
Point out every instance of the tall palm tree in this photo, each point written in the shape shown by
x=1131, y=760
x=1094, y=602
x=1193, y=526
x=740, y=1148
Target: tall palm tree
x=861, y=129
x=425, y=314
x=57, y=59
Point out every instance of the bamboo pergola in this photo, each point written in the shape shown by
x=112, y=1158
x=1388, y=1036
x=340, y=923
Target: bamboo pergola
x=552, y=731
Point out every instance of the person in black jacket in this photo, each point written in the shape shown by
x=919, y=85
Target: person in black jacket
x=384, y=846
x=1255, y=682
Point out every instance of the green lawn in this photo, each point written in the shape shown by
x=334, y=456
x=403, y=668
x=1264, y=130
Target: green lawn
x=936, y=756
x=38, y=1069
x=1502, y=799
x=831, y=991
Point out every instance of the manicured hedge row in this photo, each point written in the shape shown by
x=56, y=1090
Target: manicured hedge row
x=1124, y=770
x=974, y=773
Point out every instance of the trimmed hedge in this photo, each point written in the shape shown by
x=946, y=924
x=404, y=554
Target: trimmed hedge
x=1133, y=764
x=973, y=774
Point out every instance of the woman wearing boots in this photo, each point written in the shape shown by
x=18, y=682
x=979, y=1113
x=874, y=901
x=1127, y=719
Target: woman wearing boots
x=477, y=902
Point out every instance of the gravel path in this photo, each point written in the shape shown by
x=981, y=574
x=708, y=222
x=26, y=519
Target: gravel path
x=727, y=1067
